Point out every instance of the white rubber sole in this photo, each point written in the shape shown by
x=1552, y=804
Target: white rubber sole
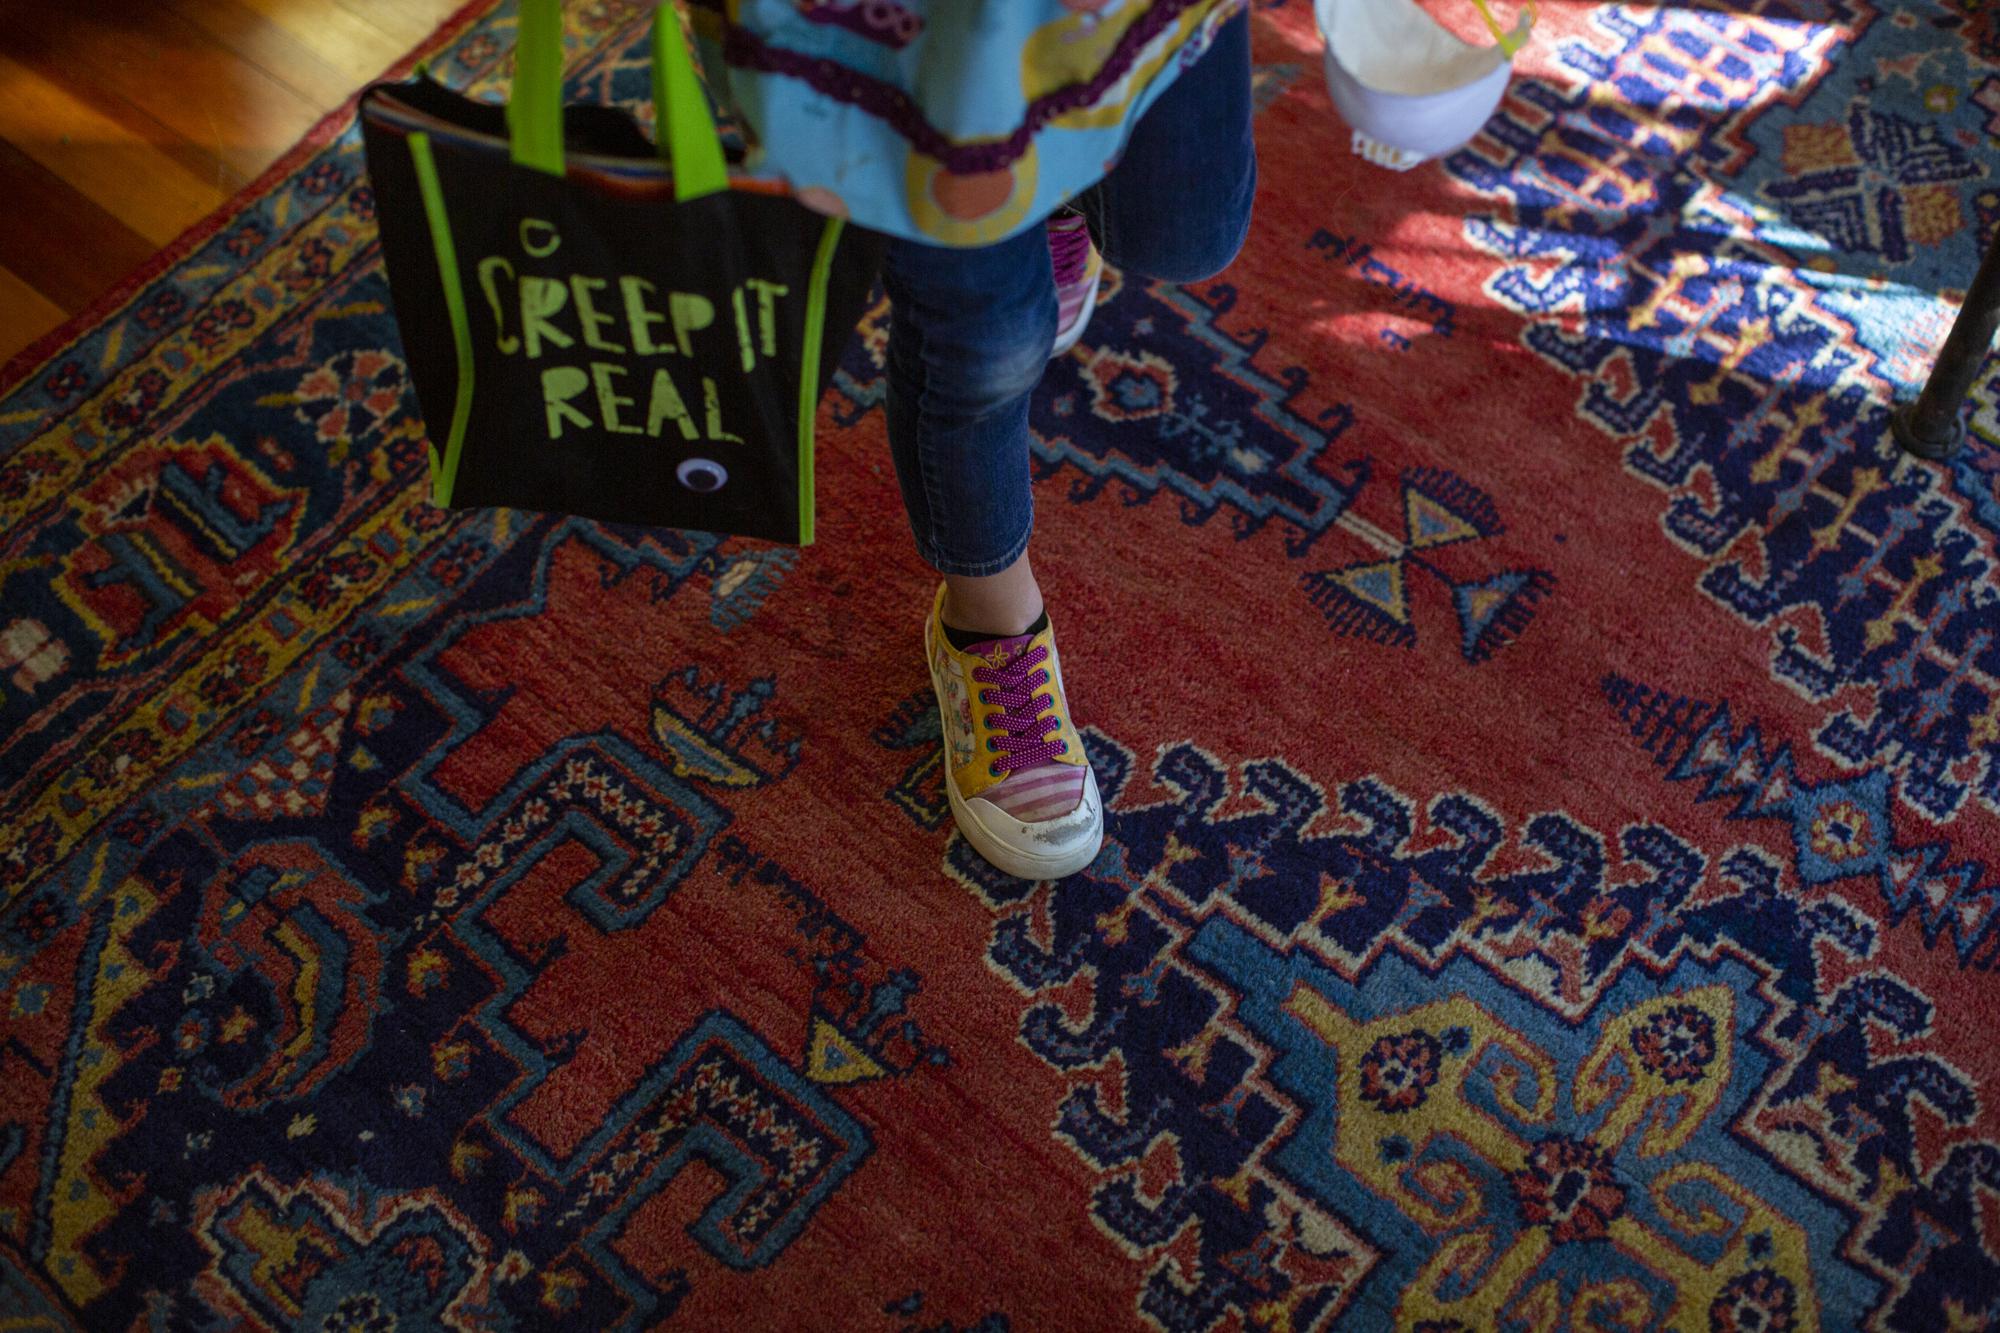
x=1069, y=337
x=1075, y=838
x=988, y=833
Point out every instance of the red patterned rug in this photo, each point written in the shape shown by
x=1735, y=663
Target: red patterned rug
x=1550, y=741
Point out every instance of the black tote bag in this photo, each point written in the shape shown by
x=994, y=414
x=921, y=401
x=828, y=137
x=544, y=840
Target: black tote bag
x=600, y=326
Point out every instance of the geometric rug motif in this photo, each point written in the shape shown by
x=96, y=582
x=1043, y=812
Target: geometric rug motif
x=1754, y=402
x=1434, y=1156
x=1547, y=734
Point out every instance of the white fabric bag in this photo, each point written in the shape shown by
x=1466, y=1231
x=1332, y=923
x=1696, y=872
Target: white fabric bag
x=1410, y=89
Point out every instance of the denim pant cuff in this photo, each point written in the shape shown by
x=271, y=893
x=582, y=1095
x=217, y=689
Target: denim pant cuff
x=946, y=564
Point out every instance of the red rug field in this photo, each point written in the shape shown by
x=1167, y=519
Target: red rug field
x=1550, y=741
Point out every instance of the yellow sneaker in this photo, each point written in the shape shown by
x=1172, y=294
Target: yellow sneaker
x=1019, y=782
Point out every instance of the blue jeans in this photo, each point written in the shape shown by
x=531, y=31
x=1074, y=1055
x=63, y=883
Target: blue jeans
x=970, y=329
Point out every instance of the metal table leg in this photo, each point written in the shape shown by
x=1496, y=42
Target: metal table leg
x=1933, y=427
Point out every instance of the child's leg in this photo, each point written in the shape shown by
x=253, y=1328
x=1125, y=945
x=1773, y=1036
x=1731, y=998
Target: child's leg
x=970, y=334
x=998, y=605
x=969, y=337
x=970, y=330
x=1177, y=205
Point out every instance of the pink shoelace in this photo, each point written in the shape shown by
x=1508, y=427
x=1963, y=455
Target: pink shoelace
x=1069, y=248
x=1023, y=717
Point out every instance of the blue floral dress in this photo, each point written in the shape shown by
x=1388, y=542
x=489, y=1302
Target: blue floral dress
x=956, y=122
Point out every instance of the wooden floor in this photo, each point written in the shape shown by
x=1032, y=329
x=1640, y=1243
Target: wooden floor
x=123, y=122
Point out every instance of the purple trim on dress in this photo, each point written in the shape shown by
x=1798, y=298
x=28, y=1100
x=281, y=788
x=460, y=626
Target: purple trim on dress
x=745, y=50
x=882, y=21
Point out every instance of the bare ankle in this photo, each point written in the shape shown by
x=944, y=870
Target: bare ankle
x=1002, y=619
x=1006, y=603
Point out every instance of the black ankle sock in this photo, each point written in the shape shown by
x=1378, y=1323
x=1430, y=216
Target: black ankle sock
x=963, y=639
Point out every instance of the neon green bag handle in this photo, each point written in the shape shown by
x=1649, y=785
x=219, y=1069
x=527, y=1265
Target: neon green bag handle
x=1508, y=42
x=685, y=129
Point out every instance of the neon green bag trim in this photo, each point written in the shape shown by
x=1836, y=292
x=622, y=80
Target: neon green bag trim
x=444, y=474
x=829, y=240
x=1508, y=42
x=685, y=128
x=683, y=124
x=534, y=107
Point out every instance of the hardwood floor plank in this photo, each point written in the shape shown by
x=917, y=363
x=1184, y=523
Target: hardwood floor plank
x=260, y=39
x=407, y=23
x=228, y=110
x=25, y=314
x=83, y=80
x=82, y=251
x=124, y=122
x=341, y=39
x=111, y=160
